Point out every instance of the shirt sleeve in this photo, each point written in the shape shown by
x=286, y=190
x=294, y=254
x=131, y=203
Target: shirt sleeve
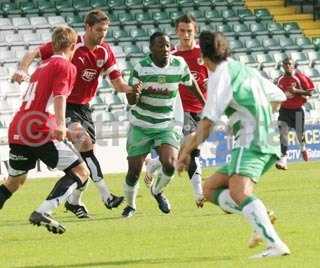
x=219, y=94
x=306, y=82
x=63, y=80
x=186, y=76
x=111, y=66
x=46, y=51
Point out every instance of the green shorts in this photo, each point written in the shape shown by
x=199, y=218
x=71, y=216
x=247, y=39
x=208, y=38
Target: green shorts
x=248, y=163
x=140, y=141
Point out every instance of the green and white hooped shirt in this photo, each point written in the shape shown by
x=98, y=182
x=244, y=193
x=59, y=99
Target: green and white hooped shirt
x=244, y=96
x=159, y=105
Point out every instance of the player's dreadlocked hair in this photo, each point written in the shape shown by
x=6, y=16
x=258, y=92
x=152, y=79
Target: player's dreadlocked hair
x=214, y=46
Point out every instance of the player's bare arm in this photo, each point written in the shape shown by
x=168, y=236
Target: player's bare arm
x=298, y=91
x=192, y=142
x=194, y=88
x=121, y=86
x=60, y=111
x=22, y=73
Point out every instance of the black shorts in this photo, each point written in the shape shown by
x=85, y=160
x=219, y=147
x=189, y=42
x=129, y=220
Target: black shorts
x=81, y=113
x=294, y=118
x=190, y=122
x=55, y=154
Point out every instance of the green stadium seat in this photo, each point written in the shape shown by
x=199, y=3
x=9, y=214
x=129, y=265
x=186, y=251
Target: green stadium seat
x=265, y=60
x=248, y=60
x=299, y=58
x=133, y=4
x=226, y=30
x=75, y=21
x=46, y=7
x=272, y=73
x=229, y=15
x=63, y=6
x=258, y=29
x=263, y=14
x=143, y=18
x=160, y=17
x=245, y=14
x=236, y=46
x=253, y=45
x=291, y=28
x=10, y=9
x=241, y=29
x=132, y=51
x=213, y=16
x=278, y=58
x=125, y=18
x=186, y=4
x=271, y=44
x=316, y=42
x=81, y=6
x=138, y=35
x=98, y=4
x=28, y=8
x=314, y=57
x=147, y=4
x=174, y=15
x=304, y=43
x=287, y=43
x=115, y=5
x=198, y=14
x=120, y=35
x=275, y=28
x=167, y=4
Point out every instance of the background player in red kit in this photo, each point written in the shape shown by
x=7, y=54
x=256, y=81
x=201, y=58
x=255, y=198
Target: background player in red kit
x=297, y=88
x=186, y=29
x=92, y=57
x=37, y=133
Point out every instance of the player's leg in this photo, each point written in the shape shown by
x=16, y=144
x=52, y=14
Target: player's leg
x=59, y=155
x=190, y=125
x=139, y=145
x=284, y=131
x=21, y=160
x=249, y=167
x=299, y=127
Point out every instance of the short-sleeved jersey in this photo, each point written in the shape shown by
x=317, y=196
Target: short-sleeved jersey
x=298, y=80
x=242, y=94
x=193, y=59
x=35, y=119
x=157, y=103
x=90, y=64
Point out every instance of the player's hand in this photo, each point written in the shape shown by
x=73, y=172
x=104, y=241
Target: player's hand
x=19, y=76
x=60, y=133
x=137, y=88
x=289, y=95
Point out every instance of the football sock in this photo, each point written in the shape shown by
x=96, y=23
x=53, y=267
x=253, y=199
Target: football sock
x=96, y=174
x=75, y=197
x=161, y=181
x=130, y=194
x=222, y=198
x=5, y=194
x=60, y=192
x=256, y=213
x=194, y=172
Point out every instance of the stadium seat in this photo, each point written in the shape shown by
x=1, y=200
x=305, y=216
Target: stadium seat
x=132, y=51
x=102, y=116
x=263, y=14
x=299, y=58
x=125, y=19
x=272, y=73
x=311, y=72
x=133, y=4
x=278, y=58
x=241, y=29
x=291, y=28
x=14, y=40
x=198, y=14
x=21, y=23
x=120, y=35
x=115, y=5
x=275, y=28
x=81, y=6
x=10, y=9
x=120, y=115
x=258, y=29
x=248, y=60
x=316, y=42
x=4, y=72
x=304, y=43
x=46, y=8
x=115, y=102
x=236, y=46
x=314, y=57
x=32, y=39
x=6, y=24
x=167, y=4
x=246, y=15
x=213, y=16
x=75, y=21
x=148, y=4
x=143, y=18
x=229, y=15
x=160, y=17
x=271, y=44
x=287, y=43
x=226, y=30
x=29, y=8
x=97, y=4
x=265, y=60
x=253, y=45
x=174, y=15
x=39, y=23
x=45, y=36
x=56, y=21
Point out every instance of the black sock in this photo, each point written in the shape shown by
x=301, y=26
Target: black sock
x=93, y=165
x=62, y=185
x=5, y=194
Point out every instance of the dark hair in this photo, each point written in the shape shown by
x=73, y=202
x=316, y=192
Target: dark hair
x=287, y=59
x=214, y=46
x=154, y=36
x=96, y=16
x=186, y=18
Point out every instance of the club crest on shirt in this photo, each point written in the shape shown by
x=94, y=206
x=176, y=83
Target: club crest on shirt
x=161, y=79
x=200, y=61
x=100, y=63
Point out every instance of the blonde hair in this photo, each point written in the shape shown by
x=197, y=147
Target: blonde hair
x=63, y=37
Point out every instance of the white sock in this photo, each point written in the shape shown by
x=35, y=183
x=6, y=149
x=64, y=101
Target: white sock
x=154, y=164
x=130, y=194
x=160, y=182
x=196, y=180
x=104, y=190
x=256, y=213
x=75, y=197
x=227, y=204
x=48, y=206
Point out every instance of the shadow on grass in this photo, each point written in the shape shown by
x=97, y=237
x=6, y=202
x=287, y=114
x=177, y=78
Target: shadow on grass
x=141, y=261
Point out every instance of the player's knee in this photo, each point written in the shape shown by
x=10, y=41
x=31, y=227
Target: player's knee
x=132, y=179
x=82, y=172
x=207, y=191
x=168, y=168
x=14, y=183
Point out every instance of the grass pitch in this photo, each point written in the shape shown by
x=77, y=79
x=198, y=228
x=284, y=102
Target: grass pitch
x=188, y=237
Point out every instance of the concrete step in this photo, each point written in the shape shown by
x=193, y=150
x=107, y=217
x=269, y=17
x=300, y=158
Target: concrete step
x=309, y=24
x=293, y=17
x=265, y=4
x=283, y=10
x=312, y=32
